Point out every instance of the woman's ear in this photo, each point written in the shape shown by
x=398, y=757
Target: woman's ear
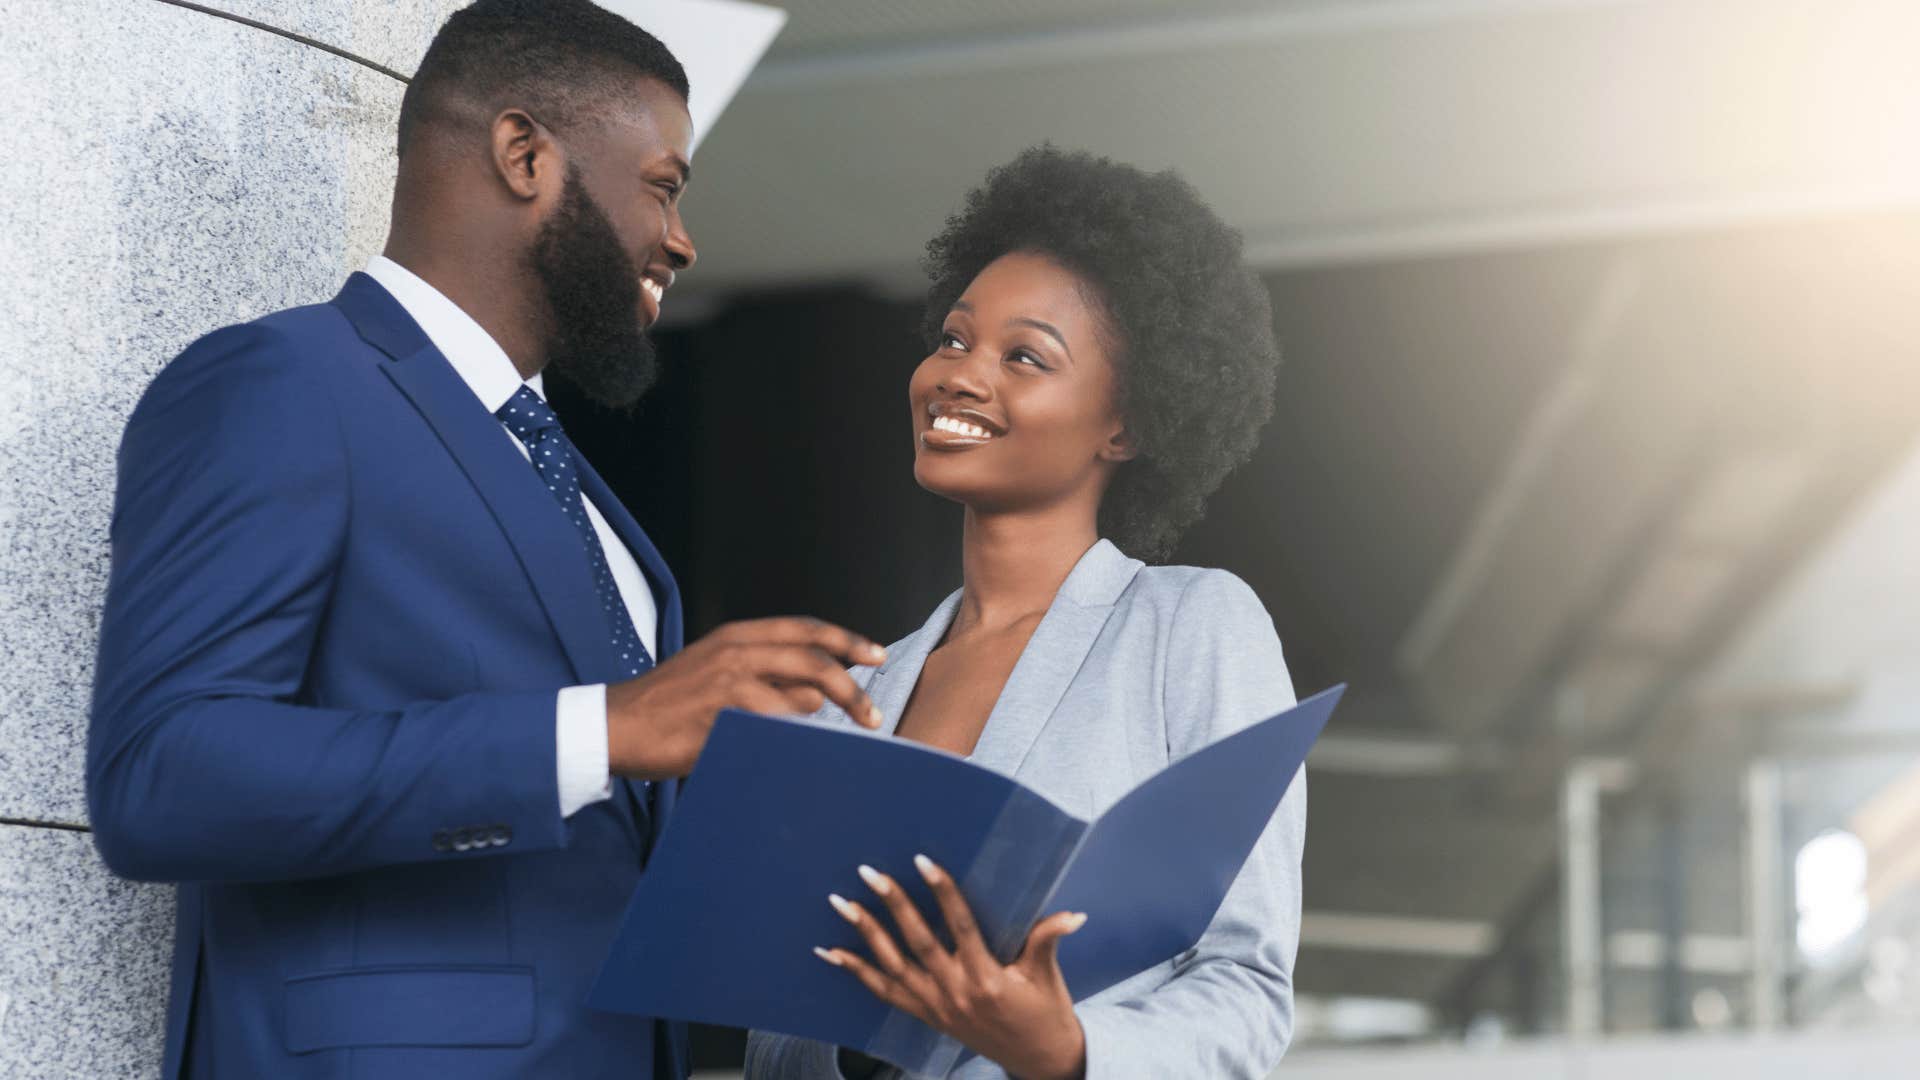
x=1119, y=447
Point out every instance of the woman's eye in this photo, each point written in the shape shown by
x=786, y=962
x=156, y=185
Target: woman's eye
x=952, y=341
x=1024, y=357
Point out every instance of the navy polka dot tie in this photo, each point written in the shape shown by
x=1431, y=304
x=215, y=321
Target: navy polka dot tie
x=553, y=455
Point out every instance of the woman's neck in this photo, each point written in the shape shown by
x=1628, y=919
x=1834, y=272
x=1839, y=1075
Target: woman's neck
x=1013, y=564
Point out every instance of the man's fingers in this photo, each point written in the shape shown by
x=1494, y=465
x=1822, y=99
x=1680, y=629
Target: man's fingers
x=805, y=664
x=803, y=700
x=762, y=698
x=797, y=630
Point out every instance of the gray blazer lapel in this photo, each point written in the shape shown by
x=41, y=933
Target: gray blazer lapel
x=893, y=682
x=1052, y=657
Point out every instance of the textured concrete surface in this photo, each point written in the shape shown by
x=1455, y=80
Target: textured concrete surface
x=185, y=172
x=83, y=961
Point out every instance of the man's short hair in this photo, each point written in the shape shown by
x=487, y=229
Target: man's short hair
x=565, y=61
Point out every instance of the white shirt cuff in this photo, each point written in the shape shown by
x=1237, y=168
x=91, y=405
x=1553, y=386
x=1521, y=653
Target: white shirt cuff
x=580, y=737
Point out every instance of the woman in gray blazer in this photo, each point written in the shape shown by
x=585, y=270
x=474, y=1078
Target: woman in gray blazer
x=1101, y=360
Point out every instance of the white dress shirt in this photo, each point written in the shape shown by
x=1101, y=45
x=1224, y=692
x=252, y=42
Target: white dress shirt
x=580, y=714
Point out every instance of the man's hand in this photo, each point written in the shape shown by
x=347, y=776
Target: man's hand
x=657, y=723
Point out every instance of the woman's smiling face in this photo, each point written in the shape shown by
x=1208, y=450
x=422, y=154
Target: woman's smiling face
x=1017, y=407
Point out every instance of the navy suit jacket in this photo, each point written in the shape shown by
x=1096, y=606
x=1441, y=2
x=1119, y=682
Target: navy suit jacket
x=340, y=609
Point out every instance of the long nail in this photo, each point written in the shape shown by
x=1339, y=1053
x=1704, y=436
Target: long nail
x=846, y=910
x=1077, y=922
x=874, y=717
x=927, y=869
x=875, y=654
x=875, y=880
x=828, y=955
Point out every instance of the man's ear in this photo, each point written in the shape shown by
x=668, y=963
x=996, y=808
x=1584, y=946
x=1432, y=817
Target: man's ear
x=526, y=156
x=1119, y=446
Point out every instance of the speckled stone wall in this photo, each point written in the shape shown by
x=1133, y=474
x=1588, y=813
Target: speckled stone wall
x=173, y=171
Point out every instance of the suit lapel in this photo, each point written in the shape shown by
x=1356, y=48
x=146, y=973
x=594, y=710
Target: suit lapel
x=547, y=544
x=671, y=629
x=893, y=683
x=1053, y=656
x=1042, y=674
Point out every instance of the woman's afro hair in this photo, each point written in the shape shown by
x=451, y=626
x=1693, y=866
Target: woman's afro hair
x=1191, y=325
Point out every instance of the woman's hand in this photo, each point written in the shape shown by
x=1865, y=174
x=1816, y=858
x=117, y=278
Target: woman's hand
x=1017, y=1015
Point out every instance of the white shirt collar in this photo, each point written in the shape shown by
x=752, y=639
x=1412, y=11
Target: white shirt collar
x=481, y=362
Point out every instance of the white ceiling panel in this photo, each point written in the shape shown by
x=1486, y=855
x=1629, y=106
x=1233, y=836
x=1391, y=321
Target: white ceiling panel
x=1326, y=131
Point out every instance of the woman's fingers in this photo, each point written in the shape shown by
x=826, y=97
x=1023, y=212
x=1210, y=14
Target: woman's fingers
x=961, y=926
x=1041, y=956
x=879, y=942
x=933, y=956
x=877, y=982
x=886, y=955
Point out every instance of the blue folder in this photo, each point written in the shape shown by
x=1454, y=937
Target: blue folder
x=779, y=813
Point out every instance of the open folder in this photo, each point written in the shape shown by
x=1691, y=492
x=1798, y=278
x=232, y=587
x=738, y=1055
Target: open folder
x=779, y=813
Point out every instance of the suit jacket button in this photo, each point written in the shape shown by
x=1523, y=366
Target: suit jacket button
x=502, y=836
x=441, y=841
x=462, y=839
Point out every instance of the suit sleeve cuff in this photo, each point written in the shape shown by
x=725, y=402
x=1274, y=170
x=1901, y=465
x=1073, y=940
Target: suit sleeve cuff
x=580, y=740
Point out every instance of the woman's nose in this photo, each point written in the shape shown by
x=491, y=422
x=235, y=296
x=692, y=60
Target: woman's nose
x=968, y=376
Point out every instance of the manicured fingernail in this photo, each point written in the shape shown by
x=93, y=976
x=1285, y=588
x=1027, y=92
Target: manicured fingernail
x=875, y=880
x=1079, y=921
x=875, y=654
x=874, y=718
x=926, y=868
x=828, y=955
x=845, y=909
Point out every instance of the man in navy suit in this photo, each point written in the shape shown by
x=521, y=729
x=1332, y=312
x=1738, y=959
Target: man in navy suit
x=389, y=682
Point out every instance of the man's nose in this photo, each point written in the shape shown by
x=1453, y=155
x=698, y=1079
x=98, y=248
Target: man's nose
x=679, y=243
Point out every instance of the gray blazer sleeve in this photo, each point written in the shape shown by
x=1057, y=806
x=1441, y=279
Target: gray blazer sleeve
x=1227, y=1010
x=786, y=1057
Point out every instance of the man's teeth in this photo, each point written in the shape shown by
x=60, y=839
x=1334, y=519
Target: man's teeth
x=960, y=427
x=654, y=290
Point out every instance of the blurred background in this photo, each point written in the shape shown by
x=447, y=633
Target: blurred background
x=1593, y=469
x=1593, y=465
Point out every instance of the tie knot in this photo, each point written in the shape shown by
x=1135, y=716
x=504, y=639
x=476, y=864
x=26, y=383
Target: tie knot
x=526, y=415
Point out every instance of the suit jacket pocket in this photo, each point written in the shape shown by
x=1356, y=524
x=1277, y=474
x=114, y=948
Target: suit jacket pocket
x=472, y=1005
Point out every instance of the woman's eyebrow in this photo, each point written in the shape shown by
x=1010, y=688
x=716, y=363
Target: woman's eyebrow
x=1046, y=328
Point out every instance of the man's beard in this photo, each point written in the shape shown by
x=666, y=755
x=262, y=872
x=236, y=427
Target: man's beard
x=593, y=292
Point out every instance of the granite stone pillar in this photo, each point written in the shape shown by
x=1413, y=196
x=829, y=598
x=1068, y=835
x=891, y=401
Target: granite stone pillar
x=171, y=171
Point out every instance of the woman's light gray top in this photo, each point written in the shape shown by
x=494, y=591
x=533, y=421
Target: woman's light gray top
x=1134, y=667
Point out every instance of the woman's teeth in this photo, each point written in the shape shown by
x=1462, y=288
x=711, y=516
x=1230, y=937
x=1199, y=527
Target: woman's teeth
x=960, y=427
x=654, y=290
